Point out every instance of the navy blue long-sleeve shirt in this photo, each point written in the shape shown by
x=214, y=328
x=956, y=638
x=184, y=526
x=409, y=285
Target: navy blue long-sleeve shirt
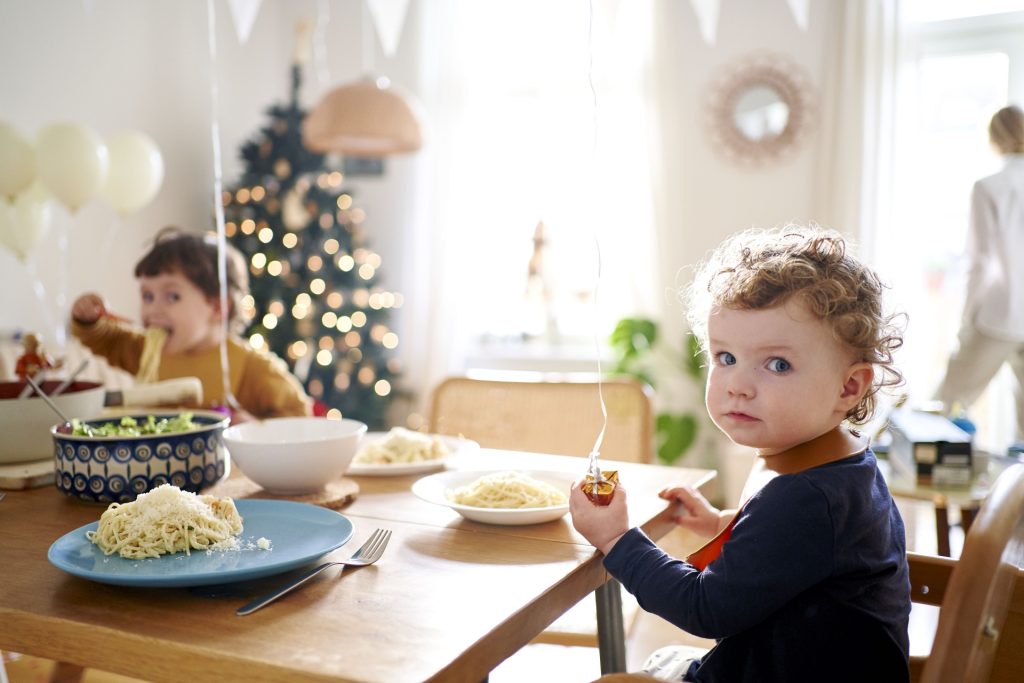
x=813, y=583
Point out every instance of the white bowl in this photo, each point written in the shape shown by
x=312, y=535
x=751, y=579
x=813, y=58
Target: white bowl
x=25, y=423
x=293, y=455
x=432, y=489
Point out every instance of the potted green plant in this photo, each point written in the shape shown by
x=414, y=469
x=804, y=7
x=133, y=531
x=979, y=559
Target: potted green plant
x=677, y=378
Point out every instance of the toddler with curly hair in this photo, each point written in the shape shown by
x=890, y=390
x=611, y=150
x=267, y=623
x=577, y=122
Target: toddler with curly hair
x=808, y=579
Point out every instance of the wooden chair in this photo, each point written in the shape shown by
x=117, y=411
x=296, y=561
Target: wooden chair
x=563, y=418
x=560, y=417
x=980, y=632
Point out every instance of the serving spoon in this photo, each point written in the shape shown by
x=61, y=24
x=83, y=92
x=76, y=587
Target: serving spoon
x=53, y=405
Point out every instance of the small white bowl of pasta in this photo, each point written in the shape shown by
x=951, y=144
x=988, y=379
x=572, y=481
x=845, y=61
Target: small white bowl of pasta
x=508, y=497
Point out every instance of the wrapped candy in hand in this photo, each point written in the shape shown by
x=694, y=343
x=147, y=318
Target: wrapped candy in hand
x=601, y=493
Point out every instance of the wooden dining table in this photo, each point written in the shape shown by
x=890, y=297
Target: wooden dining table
x=449, y=600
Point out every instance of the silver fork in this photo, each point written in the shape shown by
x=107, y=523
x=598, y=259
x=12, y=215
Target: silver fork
x=368, y=553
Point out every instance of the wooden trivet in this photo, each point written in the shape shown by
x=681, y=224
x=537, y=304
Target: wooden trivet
x=336, y=495
x=27, y=475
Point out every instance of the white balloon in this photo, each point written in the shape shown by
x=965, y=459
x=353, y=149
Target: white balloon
x=71, y=161
x=17, y=162
x=24, y=223
x=136, y=171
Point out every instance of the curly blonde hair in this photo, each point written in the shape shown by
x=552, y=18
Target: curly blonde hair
x=758, y=269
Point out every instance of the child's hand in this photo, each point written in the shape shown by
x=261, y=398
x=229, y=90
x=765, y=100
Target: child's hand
x=695, y=513
x=602, y=525
x=88, y=308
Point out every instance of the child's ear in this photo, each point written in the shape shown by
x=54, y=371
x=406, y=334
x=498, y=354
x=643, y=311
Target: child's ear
x=856, y=383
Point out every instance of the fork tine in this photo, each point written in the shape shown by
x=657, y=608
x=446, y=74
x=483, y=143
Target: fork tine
x=378, y=549
x=367, y=544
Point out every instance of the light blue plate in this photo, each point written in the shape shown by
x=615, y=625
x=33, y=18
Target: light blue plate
x=299, y=533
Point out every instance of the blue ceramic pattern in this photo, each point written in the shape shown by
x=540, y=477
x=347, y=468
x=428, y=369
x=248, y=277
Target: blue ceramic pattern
x=118, y=469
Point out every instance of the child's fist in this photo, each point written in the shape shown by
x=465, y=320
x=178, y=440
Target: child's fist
x=88, y=308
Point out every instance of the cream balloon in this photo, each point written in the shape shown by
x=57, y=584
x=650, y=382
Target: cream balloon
x=71, y=161
x=25, y=222
x=17, y=162
x=136, y=171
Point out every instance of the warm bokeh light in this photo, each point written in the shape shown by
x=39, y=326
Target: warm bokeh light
x=276, y=307
x=366, y=375
x=257, y=341
x=324, y=357
x=331, y=246
x=389, y=341
x=266, y=235
x=317, y=286
x=382, y=387
x=346, y=263
x=275, y=268
x=289, y=240
x=366, y=271
x=344, y=202
x=297, y=349
x=269, y=321
x=329, y=319
x=344, y=323
x=335, y=299
x=258, y=193
x=258, y=260
x=242, y=196
x=358, y=318
x=248, y=226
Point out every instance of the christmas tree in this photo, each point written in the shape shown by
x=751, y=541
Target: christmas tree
x=314, y=298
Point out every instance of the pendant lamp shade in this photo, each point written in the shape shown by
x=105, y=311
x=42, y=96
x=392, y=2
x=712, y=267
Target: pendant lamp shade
x=369, y=118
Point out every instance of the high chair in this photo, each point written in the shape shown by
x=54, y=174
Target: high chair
x=980, y=633
x=560, y=417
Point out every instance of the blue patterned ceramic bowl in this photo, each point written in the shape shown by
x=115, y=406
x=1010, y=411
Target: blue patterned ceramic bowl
x=107, y=469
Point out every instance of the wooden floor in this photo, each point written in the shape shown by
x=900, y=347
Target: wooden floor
x=581, y=664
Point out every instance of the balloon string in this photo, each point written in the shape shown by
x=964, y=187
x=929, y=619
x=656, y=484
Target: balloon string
x=44, y=305
x=596, y=450
x=218, y=207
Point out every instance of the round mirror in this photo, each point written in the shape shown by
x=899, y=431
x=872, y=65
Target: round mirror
x=760, y=113
x=759, y=109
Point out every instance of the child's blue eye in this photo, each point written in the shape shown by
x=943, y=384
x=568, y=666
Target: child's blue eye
x=779, y=365
x=725, y=358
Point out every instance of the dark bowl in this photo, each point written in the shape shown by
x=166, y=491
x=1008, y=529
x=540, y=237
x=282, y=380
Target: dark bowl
x=107, y=469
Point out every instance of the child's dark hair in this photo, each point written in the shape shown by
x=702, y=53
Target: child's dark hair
x=759, y=269
x=195, y=256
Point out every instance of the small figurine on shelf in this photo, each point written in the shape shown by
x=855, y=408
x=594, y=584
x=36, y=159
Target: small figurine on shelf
x=34, y=359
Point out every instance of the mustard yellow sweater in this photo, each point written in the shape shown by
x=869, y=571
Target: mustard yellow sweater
x=259, y=380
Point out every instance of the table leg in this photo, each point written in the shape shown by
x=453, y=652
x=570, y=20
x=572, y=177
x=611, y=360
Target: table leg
x=968, y=511
x=942, y=525
x=611, y=635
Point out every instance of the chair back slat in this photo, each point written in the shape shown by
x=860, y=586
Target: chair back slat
x=979, y=620
x=557, y=417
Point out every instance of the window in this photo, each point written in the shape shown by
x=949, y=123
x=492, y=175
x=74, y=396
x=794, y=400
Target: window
x=551, y=101
x=957, y=73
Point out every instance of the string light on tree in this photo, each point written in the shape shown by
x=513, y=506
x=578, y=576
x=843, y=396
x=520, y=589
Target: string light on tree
x=315, y=298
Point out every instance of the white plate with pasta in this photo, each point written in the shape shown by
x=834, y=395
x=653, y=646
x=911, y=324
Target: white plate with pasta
x=508, y=497
x=298, y=533
x=400, y=452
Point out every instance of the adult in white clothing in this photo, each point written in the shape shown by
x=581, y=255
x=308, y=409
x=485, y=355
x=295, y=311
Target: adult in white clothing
x=992, y=328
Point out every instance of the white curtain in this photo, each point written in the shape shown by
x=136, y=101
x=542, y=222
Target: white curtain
x=858, y=120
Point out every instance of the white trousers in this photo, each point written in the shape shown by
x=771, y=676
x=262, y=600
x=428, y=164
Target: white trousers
x=973, y=365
